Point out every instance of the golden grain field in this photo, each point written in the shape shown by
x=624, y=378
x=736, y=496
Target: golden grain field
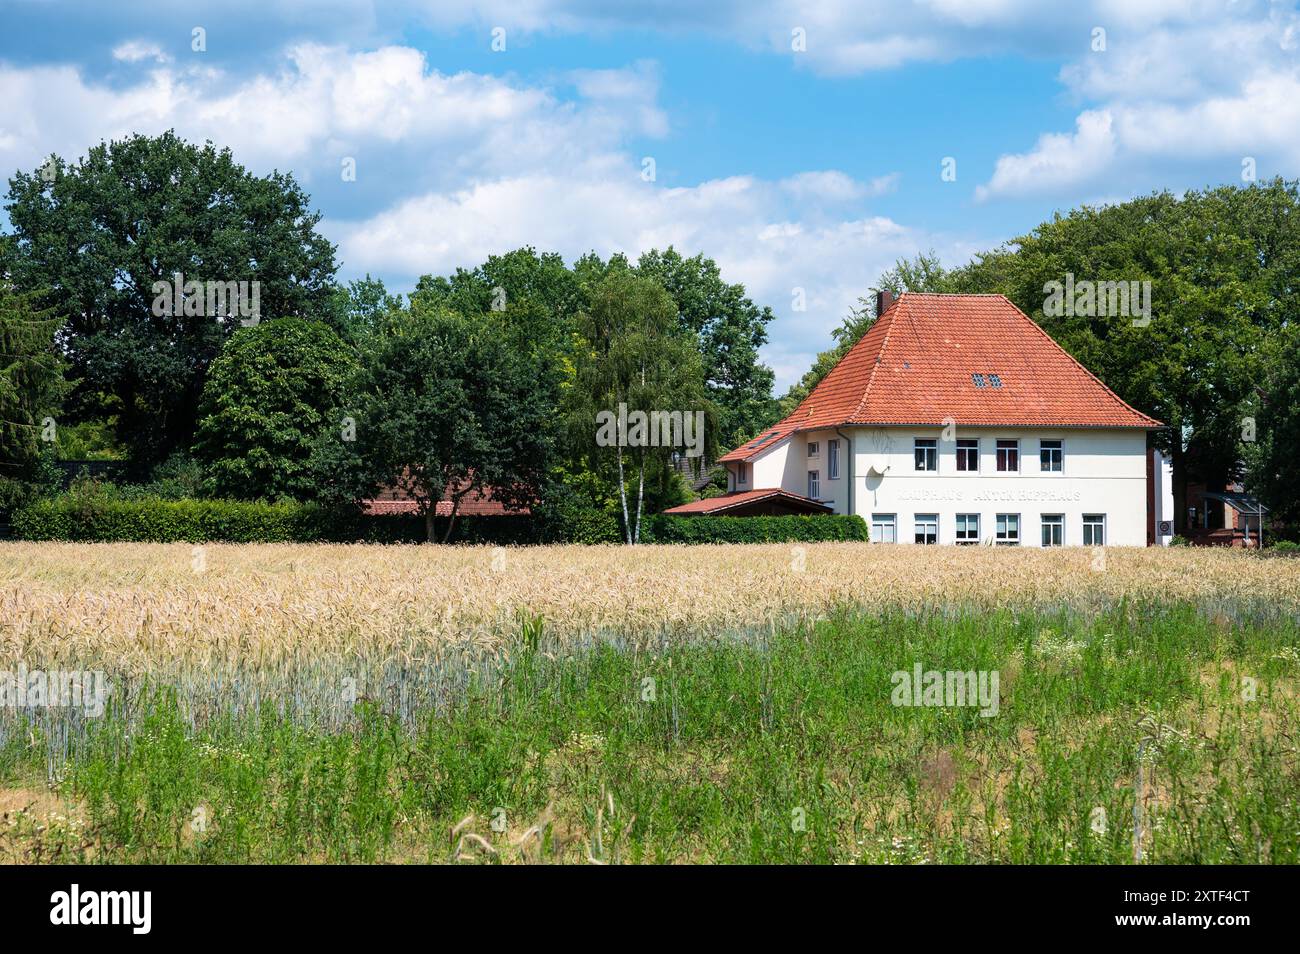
x=139, y=604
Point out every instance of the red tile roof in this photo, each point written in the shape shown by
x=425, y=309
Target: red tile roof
x=473, y=504
x=916, y=365
x=730, y=501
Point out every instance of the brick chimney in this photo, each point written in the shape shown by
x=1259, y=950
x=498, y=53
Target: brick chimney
x=884, y=299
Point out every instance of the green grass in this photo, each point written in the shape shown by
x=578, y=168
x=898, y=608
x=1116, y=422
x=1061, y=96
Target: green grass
x=781, y=748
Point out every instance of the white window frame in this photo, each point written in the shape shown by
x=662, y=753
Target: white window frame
x=814, y=484
x=1060, y=456
x=813, y=448
x=963, y=524
x=998, y=449
x=1094, y=522
x=1056, y=521
x=1003, y=537
x=882, y=520
x=931, y=448
x=961, y=451
x=832, y=459
x=930, y=521
x=740, y=474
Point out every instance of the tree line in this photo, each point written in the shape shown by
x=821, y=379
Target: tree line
x=494, y=377
x=486, y=380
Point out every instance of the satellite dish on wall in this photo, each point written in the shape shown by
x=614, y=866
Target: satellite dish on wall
x=877, y=469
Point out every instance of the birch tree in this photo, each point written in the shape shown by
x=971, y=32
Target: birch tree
x=635, y=366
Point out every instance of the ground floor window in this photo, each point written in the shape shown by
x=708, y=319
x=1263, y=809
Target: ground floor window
x=927, y=528
x=882, y=528
x=1008, y=530
x=1053, y=529
x=968, y=528
x=814, y=485
x=1094, y=529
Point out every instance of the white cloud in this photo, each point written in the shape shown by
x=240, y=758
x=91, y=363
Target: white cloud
x=1057, y=162
x=742, y=222
x=492, y=165
x=133, y=51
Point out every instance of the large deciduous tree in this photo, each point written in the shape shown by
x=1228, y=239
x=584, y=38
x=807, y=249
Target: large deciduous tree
x=269, y=394
x=445, y=408
x=731, y=329
x=102, y=232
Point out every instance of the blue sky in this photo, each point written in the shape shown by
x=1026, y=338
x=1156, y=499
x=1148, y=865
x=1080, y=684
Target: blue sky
x=812, y=168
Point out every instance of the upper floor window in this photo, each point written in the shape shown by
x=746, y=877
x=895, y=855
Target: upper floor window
x=740, y=473
x=1008, y=455
x=927, y=454
x=814, y=485
x=1050, y=456
x=968, y=454
x=833, y=459
x=813, y=449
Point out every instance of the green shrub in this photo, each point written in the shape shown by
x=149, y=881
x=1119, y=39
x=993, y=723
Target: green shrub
x=1284, y=546
x=106, y=517
x=668, y=528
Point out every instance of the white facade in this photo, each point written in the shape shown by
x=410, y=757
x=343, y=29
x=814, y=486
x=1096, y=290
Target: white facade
x=1091, y=491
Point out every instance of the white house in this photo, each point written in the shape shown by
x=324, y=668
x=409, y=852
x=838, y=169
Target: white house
x=956, y=419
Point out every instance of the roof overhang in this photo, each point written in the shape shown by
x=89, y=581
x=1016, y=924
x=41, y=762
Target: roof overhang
x=1242, y=503
x=737, y=502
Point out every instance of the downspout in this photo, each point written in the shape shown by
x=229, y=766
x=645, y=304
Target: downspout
x=848, y=441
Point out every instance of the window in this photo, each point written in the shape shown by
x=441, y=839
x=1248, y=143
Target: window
x=1094, y=529
x=995, y=381
x=927, y=454
x=977, y=380
x=813, y=449
x=833, y=459
x=1009, y=455
x=1008, y=532
x=968, y=455
x=1050, y=456
x=968, y=528
x=740, y=473
x=1053, y=529
x=814, y=487
x=882, y=528
x=927, y=528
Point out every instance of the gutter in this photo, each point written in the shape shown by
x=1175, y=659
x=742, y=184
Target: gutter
x=849, y=447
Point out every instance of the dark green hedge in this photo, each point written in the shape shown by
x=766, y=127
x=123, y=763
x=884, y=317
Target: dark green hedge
x=71, y=517
x=198, y=521
x=665, y=528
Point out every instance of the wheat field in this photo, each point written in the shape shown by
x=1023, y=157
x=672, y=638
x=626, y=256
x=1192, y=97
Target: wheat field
x=661, y=704
x=146, y=604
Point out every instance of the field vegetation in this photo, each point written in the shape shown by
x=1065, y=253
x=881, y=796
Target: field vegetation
x=286, y=703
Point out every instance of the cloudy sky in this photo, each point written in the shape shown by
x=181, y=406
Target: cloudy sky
x=802, y=145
